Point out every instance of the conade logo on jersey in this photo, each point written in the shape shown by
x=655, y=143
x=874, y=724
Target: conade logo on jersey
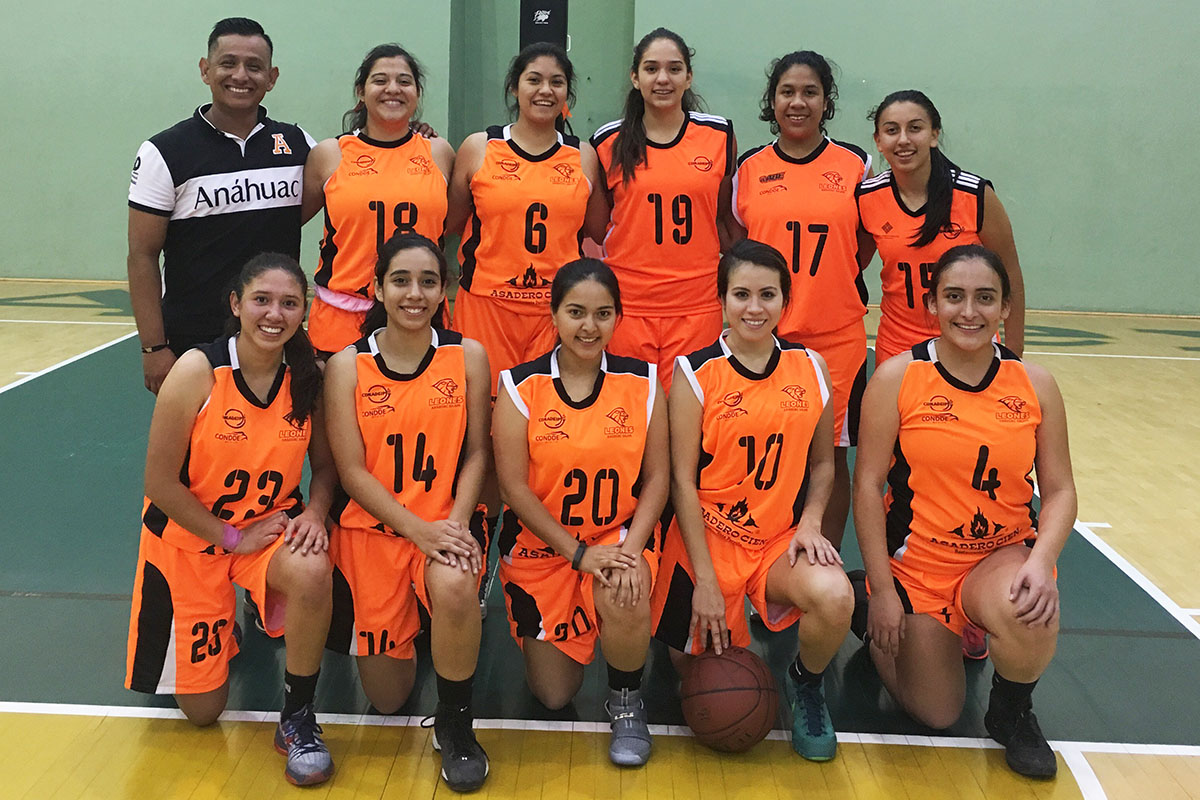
x=379, y=395
x=552, y=419
x=702, y=163
x=365, y=164
x=235, y=419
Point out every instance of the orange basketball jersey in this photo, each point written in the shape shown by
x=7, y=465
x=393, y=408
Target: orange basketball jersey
x=585, y=458
x=244, y=459
x=754, y=439
x=527, y=221
x=378, y=190
x=907, y=270
x=662, y=236
x=413, y=426
x=805, y=209
x=961, y=484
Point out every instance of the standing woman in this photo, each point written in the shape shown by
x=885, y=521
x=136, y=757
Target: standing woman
x=581, y=452
x=955, y=429
x=378, y=179
x=797, y=195
x=752, y=462
x=916, y=211
x=667, y=170
x=408, y=421
x=232, y=424
x=521, y=191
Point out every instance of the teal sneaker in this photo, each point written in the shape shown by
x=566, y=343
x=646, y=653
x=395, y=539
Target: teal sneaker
x=812, y=729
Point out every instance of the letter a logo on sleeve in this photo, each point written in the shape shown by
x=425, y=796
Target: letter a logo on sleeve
x=281, y=145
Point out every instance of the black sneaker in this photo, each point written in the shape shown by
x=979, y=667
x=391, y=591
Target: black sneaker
x=1025, y=748
x=464, y=763
x=858, y=619
x=253, y=616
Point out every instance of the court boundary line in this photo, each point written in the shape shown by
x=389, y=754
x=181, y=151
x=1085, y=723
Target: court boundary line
x=403, y=721
x=67, y=322
x=1135, y=575
x=1085, y=777
x=1112, y=355
x=65, y=362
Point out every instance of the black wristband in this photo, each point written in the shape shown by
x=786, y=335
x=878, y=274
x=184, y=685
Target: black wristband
x=579, y=551
x=154, y=348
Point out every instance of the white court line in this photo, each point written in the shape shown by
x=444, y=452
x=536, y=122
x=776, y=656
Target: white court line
x=962, y=742
x=1085, y=777
x=1191, y=612
x=66, y=322
x=1113, y=355
x=70, y=360
x=1141, y=580
x=1096, y=524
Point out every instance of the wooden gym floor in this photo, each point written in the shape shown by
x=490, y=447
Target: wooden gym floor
x=1119, y=703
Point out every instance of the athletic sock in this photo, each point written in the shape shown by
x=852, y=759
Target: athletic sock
x=455, y=694
x=619, y=679
x=298, y=691
x=803, y=675
x=1010, y=695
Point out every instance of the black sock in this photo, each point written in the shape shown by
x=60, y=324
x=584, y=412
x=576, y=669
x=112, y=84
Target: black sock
x=1009, y=695
x=298, y=691
x=803, y=675
x=619, y=679
x=455, y=694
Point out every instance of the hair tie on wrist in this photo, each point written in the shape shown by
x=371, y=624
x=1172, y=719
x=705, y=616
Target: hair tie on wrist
x=231, y=537
x=578, y=557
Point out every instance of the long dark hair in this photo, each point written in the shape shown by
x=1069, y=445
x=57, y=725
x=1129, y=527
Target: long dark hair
x=523, y=59
x=748, y=251
x=298, y=350
x=377, y=316
x=939, y=190
x=356, y=117
x=800, y=58
x=629, y=148
x=965, y=252
x=575, y=272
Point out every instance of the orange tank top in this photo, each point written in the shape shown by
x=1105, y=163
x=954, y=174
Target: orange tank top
x=961, y=480
x=585, y=457
x=377, y=190
x=907, y=270
x=754, y=439
x=662, y=238
x=805, y=209
x=413, y=426
x=244, y=459
x=527, y=221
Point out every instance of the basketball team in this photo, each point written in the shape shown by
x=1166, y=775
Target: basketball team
x=647, y=439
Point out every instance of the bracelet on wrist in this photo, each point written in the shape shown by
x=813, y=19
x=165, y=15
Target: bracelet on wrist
x=231, y=537
x=578, y=557
x=154, y=348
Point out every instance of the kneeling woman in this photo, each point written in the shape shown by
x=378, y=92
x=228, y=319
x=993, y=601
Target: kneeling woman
x=955, y=428
x=231, y=427
x=408, y=421
x=752, y=460
x=581, y=453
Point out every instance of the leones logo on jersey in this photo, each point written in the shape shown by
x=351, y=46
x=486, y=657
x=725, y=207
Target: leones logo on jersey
x=797, y=402
x=621, y=430
x=1016, y=409
x=566, y=174
x=833, y=182
x=420, y=166
x=448, y=389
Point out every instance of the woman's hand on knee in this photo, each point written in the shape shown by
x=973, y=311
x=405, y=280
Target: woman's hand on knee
x=885, y=621
x=262, y=532
x=626, y=587
x=306, y=534
x=810, y=540
x=1034, y=594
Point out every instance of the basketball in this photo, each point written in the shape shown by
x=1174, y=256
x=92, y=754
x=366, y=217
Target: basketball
x=730, y=701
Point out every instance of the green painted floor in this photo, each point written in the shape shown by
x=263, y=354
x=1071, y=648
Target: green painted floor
x=74, y=443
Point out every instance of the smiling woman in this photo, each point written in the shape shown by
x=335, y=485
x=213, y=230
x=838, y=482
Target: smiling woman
x=378, y=179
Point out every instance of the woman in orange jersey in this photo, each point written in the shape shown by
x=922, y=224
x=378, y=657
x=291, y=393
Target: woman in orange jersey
x=232, y=424
x=752, y=461
x=667, y=172
x=378, y=179
x=581, y=452
x=916, y=211
x=797, y=195
x=408, y=422
x=955, y=429
x=519, y=194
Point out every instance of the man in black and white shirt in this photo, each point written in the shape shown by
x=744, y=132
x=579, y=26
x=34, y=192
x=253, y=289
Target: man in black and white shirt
x=209, y=194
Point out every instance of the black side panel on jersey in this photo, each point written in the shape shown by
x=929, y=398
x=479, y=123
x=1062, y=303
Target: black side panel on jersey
x=674, y=624
x=900, y=515
x=341, y=623
x=524, y=611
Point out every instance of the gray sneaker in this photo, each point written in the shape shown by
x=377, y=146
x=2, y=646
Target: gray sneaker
x=299, y=738
x=630, y=742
